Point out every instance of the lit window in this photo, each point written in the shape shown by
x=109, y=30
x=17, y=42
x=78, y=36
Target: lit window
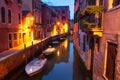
x=84, y=43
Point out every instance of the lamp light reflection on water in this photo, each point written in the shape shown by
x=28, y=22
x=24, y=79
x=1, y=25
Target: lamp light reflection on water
x=58, y=53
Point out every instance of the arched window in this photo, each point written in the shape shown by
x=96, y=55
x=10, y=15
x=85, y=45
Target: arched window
x=3, y=15
x=9, y=16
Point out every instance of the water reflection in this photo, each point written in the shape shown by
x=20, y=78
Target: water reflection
x=59, y=64
x=77, y=70
x=62, y=65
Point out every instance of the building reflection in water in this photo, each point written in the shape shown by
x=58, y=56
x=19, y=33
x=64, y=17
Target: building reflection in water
x=61, y=55
x=79, y=72
x=62, y=65
x=77, y=69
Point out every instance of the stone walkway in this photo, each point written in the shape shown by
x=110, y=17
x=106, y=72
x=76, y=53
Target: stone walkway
x=7, y=53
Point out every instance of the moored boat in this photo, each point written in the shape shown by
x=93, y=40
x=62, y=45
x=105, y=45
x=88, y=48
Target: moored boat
x=35, y=66
x=55, y=42
x=49, y=51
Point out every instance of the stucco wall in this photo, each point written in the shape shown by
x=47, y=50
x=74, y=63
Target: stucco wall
x=111, y=26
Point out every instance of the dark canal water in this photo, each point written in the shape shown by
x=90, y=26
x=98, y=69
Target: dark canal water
x=62, y=65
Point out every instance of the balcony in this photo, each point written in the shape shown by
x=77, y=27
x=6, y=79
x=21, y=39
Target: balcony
x=92, y=28
x=96, y=31
x=91, y=24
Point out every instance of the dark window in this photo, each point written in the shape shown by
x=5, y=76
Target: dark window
x=87, y=39
x=91, y=2
x=91, y=43
x=84, y=43
x=63, y=17
x=19, y=1
x=19, y=35
x=47, y=21
x=116, y=2
x=79, y=39
x=98, y=43
x=63, y=11
x=9, y=16
x=3, y=14
x=19, y=19
x=15, y=36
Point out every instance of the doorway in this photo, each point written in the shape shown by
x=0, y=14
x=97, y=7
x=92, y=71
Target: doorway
x=111, y=57
x=10, y=40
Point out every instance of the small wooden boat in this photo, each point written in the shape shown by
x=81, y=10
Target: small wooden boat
x=49, y=51
x=61, y=39
x=55, y=42
x=35, y=66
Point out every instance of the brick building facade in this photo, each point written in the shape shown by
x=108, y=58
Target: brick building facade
x=10, y=24
x=47, y=19
x=34, y=6
x=63, y=16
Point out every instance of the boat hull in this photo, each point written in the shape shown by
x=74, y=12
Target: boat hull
x=35, y=66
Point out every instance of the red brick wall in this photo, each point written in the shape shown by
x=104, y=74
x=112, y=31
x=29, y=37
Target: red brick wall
x=3, y=39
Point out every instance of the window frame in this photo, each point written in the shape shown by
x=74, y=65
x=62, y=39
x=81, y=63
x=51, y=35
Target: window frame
x=9, y=16
x=3, y=13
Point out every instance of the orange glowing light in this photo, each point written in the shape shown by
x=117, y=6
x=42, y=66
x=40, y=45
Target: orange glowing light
x=59, y=29
x=32, y=18
x=58, y=53
x=98, y=33
x=110, y=4
x=58, y=23
x=28, y=32
x=65, y=44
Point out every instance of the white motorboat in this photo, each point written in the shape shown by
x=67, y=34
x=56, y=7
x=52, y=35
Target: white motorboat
x=35, y=66
x=49, y=51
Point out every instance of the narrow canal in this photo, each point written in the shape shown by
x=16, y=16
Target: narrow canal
x=62, y=65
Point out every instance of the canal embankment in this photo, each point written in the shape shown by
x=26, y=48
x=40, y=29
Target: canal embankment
x=13, y=58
